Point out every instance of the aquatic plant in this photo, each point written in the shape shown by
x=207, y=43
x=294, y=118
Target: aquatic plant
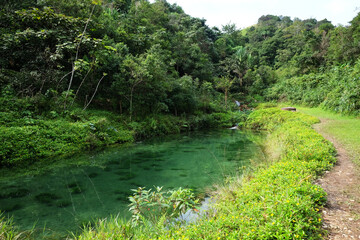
x=13, y=207
x=93, y=175
x=18, y=193
x=46, y=198
x=63, y=203
x=127, y=176
x=75, y=188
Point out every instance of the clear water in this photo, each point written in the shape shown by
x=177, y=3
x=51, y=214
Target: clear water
x=63, y=198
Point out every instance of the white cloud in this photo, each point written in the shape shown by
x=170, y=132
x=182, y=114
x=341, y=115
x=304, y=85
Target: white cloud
x=245, y=13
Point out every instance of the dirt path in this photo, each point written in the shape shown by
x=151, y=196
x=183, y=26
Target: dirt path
x=342, y=212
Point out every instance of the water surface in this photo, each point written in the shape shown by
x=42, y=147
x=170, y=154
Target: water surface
x=63, y=198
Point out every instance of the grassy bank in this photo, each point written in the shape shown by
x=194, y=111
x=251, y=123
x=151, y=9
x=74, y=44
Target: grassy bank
x=346, y=129
x=30, y=135
x=276, y=202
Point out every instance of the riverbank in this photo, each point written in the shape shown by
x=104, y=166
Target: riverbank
x=29, y=138
x=79, y=131
x=279, y=201
x=276, y=201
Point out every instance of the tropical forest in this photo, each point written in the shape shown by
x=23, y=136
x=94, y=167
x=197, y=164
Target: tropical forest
x=131, y=119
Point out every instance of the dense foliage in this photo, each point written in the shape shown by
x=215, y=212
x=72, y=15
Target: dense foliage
x=336, y=89
x=142, y=61
x=28, y=137
x=82, y=74
x=138, y=58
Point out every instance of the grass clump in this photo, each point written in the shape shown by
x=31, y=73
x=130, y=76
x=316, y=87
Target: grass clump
x=276, y=202
x=9, y=232
x=270, y=118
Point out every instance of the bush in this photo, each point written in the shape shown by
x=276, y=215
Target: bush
x=336, y=89
x=270, y=118
x=46, y=139
x=159, y=206
x=155, y=125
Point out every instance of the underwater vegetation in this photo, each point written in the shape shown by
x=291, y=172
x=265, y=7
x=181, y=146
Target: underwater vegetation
x=18, y=193
x=93, y=175
x=74, y=188
x=47, y=198
x=13, y=207
x=127, y=176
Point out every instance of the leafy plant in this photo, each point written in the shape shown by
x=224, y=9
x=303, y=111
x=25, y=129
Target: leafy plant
x=158, y=206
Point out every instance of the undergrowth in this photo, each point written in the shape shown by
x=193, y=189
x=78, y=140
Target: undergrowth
x=336, y=89
x=31, y=135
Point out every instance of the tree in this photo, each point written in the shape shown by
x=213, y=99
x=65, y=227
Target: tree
x=138, y=74
x=237, y=64
x=224, y=83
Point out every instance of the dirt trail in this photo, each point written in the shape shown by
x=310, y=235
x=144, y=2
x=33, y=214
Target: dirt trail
x=342, y=213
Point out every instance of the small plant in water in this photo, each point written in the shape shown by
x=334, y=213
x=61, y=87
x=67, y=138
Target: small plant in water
x=158, y=206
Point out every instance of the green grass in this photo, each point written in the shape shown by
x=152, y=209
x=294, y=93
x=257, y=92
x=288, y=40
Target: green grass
x=9, y=232
x=345, y=129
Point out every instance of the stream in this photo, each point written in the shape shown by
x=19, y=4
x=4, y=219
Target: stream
x=62, y=198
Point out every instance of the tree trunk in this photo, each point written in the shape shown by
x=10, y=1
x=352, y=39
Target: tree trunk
x=226, y=96
x=131, y=103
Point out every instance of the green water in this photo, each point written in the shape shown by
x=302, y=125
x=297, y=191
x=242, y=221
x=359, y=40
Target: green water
x=63, y=198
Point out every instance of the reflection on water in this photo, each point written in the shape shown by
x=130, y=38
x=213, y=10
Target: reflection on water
x=64, y=198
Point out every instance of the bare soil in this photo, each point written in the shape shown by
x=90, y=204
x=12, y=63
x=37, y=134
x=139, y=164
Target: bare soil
x=342, y=212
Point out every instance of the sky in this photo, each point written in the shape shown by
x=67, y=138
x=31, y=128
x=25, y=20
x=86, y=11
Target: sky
x=245, y=13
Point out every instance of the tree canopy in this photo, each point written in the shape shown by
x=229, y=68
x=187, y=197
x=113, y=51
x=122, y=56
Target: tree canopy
x=156, y=58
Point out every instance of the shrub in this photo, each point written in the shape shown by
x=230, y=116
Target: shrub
x=336, y=89
x=47, y=139
x=270, y=118
x=159, y=206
